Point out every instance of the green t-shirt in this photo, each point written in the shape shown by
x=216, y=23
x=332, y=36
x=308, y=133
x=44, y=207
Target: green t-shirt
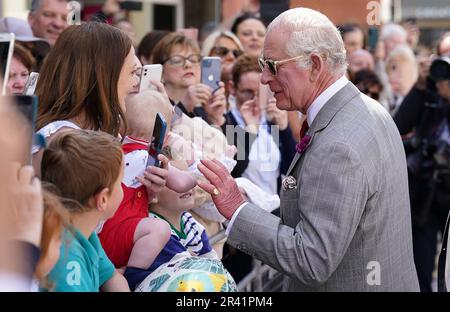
x=83, y=265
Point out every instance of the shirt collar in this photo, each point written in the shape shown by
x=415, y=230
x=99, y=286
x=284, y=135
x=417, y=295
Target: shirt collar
x=128, y=140
x=323, y=98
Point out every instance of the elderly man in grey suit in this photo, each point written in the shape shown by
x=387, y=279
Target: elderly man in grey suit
x=345, y=220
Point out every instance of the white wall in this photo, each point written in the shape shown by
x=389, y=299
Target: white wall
x=15, y=8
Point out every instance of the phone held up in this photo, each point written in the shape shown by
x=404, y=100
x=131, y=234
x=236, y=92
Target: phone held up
x=30, y=85
x=211, y=71
x=27, y=106
x=150, y=72
x=6, y=53
x=157, y=140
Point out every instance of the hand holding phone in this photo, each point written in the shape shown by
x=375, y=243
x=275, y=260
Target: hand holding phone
x=30, y=85
x=157, y=140
x=27, y=106
x=211, y=71
x=150, y=72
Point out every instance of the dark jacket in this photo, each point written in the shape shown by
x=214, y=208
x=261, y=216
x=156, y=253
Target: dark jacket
x=423, y=113
x=287, y=145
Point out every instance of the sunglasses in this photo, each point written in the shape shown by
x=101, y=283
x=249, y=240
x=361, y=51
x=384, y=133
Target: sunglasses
x=366, y=91
x=222, y=51
x=273, y=65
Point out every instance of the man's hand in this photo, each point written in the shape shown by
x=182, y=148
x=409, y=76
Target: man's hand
x=276, y=115
x=223, y=189
x=251, y=113
x=155, y=178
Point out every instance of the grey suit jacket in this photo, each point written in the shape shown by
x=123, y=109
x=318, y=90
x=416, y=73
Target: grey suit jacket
x=347, y=225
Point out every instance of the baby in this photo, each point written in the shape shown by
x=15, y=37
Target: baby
x=130, y=238
x=188, y=237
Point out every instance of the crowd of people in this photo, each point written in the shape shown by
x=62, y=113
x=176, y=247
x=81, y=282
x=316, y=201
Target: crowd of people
x=89, y=203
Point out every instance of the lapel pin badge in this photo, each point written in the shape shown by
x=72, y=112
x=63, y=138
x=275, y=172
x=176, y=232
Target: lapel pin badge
x=289, y=183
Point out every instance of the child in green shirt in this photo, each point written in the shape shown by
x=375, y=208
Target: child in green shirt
x=87, y=168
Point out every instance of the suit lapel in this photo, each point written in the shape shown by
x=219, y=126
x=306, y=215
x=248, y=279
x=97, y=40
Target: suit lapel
x=326, y=114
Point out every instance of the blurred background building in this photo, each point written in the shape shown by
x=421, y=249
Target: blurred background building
x=432, y=16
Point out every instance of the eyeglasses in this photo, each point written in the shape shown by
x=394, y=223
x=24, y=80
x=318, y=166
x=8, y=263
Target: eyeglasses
x=222, y=52
x=273, y=65
x=180, y=61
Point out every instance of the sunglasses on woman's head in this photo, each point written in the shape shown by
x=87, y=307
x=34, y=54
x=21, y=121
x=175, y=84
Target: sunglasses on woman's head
x=222, y=51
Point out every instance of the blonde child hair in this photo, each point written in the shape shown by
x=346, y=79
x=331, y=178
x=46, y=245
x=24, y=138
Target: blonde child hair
x=141, y=112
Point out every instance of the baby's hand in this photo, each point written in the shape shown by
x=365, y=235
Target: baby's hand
x=230, y=151
x=180, y=181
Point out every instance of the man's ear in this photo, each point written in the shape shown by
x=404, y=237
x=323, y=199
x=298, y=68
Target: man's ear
x=230, y=87
x=101, y=199
x=30, y=18
x=317, y=65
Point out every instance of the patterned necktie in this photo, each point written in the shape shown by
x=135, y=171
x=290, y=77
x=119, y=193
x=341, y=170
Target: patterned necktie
x=304, y=129
x=304, y=139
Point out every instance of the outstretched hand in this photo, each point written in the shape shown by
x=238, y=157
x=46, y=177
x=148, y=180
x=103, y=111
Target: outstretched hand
x=222, y=187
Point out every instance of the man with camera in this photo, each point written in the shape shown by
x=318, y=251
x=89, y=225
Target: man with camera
x=423, y=120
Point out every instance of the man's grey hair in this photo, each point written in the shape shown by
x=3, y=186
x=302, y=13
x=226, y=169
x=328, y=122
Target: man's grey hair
x=35, y=4
x=312, y=32
x=392, y=29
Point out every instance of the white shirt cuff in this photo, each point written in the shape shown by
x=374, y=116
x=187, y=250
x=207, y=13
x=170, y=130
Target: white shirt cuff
x=227, y=231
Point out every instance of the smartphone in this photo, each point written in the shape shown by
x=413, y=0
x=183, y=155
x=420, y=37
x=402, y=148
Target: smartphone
x=150, y=72
x=6, y=54
x=30, y=85
x=211, y=71
x=27, y=106
x=131, y=5
x=372, y=40
x=157, y=140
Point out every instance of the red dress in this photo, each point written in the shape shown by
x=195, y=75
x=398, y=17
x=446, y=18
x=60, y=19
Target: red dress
x=117, y=233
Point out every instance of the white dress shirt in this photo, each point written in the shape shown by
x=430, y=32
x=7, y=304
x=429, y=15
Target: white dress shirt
x=311, y=114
